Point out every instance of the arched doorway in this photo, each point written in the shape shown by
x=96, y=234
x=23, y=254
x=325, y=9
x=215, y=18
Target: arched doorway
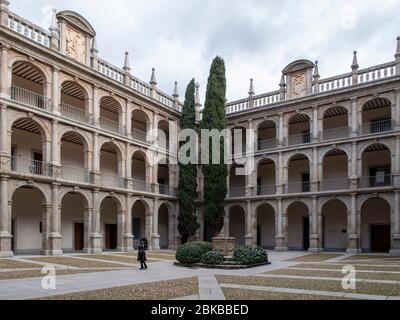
x=266, y=226
x=139, y=223
x=109, y=210
x=335, y=234
x=376, y=226
x=237, y=224
x=164, y=226
x=28, y=216
x=298, y=227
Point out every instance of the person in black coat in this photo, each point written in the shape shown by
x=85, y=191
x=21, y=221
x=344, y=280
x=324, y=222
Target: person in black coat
x=142, y=256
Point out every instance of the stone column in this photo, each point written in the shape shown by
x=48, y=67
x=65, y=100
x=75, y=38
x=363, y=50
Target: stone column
x=315, y=124
x=121, y=216
x=4, y=72
x=55, y=223
x=279, y=175
x=128, y=119
x=88, y=219
x=55, y=150
x=281, y=128
x=281, y=232
x=96, y=160
x=396, y=164
x=354, y=117
x=354, y=164
x=95, y=107
x=397, y=108
x=149, y=228
x=155, y=236
x=353, y=239
x=4, y=148
x=5, y=220
x=95, y=237
x=249, y=239
x=395, y=250
x=128, y=237
x=4, y=12
x=55, y=94
x=314, y=167
x=314, y=236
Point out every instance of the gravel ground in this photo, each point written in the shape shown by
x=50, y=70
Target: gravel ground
x=164, y=290
x=239, y=294
x=74, y=262
x=14, y=264
x=340, y=267
x=37, y=273
x=321, y=285
x=315, y=257
x=113, y=258
x=372, y=263
x=370, y=257
x=160, y=257
x=334, y=274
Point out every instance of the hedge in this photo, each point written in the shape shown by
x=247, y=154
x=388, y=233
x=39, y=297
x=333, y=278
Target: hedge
x=212, y=258
x=192, y=252
x=249, y=255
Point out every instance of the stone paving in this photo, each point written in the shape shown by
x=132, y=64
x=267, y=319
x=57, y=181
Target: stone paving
x=209, y=289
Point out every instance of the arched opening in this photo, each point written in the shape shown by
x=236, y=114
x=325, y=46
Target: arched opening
x=334, y=222
x=109, y=223
x=299, y=174
x=266, y=226
x=267, y=135
x=163, y=177
x=266, y=178
x=164, y=226
x=139, y=223
x=28, y=216
x=110, y=113
x=28, y=85
x=73, y=228
x=298, y=226
x=375, y=226
x=74, y=102
x=163, y=134
x=110, y=166
x=237, y=224
x=239, y=139
x=74, y=158
x=377, y=116
x=237, y=181
x=336, y=124
x=140, y=125
x=335, y=171
x=376, y=167
x=139, y=172
x=28, y=147
x=299, y=130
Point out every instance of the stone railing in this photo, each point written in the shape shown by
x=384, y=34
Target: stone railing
x=378, y=72
x=110, y=71
x=29, y=30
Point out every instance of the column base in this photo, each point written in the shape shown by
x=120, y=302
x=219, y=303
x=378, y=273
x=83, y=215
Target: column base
x=95, y=243
x=155, y=239
x=94, y=251
x=249, y=240
x=353, y=251
x=353, y=247
x=395, y=252
x=280, y=243
x=281, y=249
x=314, y=244
x=52, y=253
x=54, y=245
x=5, y=245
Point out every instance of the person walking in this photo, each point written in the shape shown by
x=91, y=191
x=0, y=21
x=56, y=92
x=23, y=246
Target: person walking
x=142, y=256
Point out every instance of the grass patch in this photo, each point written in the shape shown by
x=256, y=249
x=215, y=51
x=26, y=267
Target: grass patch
x=340, y=267
x=334, y=274
x=320, y=257
x=76, y=262
x=242, y=294
x=163, y=290
x=16, y=264
x=320, y=285
x=38, y=274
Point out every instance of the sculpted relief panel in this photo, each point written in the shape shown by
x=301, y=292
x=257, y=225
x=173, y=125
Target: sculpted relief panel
x=298, y=84
x=76, y=45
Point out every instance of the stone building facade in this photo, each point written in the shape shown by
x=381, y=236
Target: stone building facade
x=84, y=161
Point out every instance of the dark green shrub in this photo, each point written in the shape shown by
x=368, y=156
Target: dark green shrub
x=212, y=258
x=192, y=252
x=249, y=255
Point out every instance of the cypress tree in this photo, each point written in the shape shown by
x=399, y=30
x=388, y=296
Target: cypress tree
x=187, y=193
x=215, y=175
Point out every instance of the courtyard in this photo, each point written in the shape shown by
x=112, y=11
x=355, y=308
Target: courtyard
x=116, y=276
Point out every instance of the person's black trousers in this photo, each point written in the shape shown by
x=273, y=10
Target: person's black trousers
x=143, y=265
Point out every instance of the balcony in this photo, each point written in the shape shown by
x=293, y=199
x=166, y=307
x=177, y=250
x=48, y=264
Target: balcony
x=112, y=181
x=299, y=139
x=29, y=166
x=139, y=185
x=75, y=174
x=167, y=190
x=266, y=190
x=374, y=127
x=237, y=192
x=336, y=133
x=299, y=187
x=30, y=98
x=110, y=125
x=74, y=113
x=139, y=135
x=334, y=184
x=376, y=181
x=267, y=144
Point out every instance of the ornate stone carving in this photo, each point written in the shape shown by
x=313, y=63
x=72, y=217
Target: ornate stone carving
x=298, y=86
x=76, y=45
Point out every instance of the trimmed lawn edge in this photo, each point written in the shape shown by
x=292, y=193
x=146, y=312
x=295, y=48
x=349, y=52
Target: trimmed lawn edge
x=221, y=267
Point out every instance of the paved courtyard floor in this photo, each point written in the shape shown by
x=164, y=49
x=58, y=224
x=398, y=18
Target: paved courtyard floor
x=291, y=276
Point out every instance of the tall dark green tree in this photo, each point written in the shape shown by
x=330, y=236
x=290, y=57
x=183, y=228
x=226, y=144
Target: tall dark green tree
x=215, y=175
x=187, y=193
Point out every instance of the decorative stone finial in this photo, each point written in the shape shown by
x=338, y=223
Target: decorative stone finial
x=354, y=65
x=282, y=84
x=54, y=25
x=198, y=103
x=94, y=46
x=251, y=90
x=176, y=91
x=153, y=79
x=398, y=49
x=4, y=3
x=316, y=70
x=127, y=66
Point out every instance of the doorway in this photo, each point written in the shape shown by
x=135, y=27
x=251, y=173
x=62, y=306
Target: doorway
x=111, y=236
x=306, y=233
x=79, y=234
x=380, y=238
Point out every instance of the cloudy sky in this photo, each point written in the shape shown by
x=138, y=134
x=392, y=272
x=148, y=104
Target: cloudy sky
x=257, y=38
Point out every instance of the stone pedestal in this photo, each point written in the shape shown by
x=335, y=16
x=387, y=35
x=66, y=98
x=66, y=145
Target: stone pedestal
x=5, y=245
x=395, y=251
x=224, y=245
x=249, y=240
x=128, y=244
x=95, y=244
x=314, y=244
x=353, y=247
x=280, y=244
x=155, y=242
x=54, y=243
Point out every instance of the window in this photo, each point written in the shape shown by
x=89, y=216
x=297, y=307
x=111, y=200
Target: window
x=380, y=177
